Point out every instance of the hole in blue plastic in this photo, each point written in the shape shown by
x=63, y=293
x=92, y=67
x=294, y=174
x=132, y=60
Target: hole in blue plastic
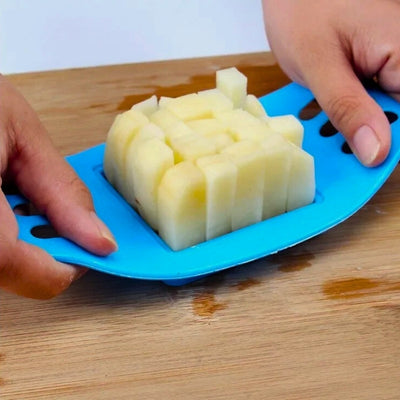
x=328, y=130
x=44, y=232
x=346, y=148
x=391, y=116
x=310, y=110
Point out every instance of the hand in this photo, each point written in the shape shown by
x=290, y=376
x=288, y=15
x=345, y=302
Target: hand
x=329, y=46
x=28, y=158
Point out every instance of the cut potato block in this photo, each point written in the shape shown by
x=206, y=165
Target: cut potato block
x=243, y=126
x=250, y=162
x=122, y=131
x=255, y=133
x=214, y=130
x=182, y=206
x=276, y=178
x=188, y=107
x=163, y=101
x=289, y=127
x=216, y=100
x=221, y=140
x=301, y=185
x=147, y=107
x=253, y=106
x=220, y=175
x=206, y=127
x=232, y=84
x=177, y=130
x=147, y=132
x=164, y=118
x=150, y=160
x=191, y=147
x=238, y=116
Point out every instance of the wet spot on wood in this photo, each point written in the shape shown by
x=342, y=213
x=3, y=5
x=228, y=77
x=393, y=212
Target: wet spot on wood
x=2, y=382
x=349, y=288
x=2, y=357
x=129, y=101
x=206, y=305
x=247, y=283
x=294, y=262
x=100, y=105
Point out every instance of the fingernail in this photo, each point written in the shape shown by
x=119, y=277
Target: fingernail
x=104, y=231
x=74, y=271
x=80, y=272
x=366, y=145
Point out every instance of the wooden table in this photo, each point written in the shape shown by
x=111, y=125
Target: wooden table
x=318, y=321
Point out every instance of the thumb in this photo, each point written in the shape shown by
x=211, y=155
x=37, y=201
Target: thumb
x=49, y=182
x=351, y=110
x=61, y=196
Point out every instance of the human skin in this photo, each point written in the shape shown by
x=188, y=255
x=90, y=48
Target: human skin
x=29, y=160
x=331, y=46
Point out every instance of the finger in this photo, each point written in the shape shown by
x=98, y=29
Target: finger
x=31, y=272
x=389, y=76
x=62, y=196
x=351, y=110
x=51, y=184
x=27, y=270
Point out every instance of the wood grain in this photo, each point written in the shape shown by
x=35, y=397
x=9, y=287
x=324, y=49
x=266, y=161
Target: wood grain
x=318, y=321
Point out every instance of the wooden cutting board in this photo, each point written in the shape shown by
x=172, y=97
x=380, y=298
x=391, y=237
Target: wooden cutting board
x=318, y=321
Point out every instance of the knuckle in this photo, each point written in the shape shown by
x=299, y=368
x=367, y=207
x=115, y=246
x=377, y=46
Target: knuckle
x=76, y=185
x=343, y=109
x=81, y=191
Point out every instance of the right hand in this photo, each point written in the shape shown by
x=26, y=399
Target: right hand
x=330, y=46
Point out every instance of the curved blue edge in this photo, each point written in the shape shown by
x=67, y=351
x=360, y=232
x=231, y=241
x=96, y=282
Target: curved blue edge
x=343, y=186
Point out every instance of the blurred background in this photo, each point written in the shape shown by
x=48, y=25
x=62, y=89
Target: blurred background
x=39, y=35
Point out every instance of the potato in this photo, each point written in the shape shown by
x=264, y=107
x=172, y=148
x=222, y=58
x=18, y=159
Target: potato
x=147, y=132
x=204, y=164
x=182, y=206
x=164, y=118
x=121, y=133
x=220, y=175
x=217, y=100
x=188, y=107
x=150, y=160
x=276, y=176
x=253, y=106
x=191, y=147
x=248, y=202
x=233, y=84
x=289, y=127
x=301, y=186
x=148, y=106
